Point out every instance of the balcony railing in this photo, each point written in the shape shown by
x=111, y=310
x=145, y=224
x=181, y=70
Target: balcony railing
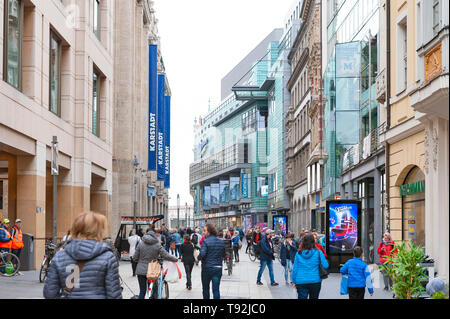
x=235, y=154
x=364, y=149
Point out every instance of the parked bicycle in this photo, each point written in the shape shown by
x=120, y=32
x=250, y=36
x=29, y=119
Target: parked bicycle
x=159, y=289
x=50, y=250
x=9, y=264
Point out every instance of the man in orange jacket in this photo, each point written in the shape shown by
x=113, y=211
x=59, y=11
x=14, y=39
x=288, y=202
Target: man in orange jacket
x=17, y=238
x=5, y=236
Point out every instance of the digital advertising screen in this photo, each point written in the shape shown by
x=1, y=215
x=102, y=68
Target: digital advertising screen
x=280, y=224
x=343, y=226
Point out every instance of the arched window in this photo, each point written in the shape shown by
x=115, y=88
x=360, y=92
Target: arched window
x=413, y=206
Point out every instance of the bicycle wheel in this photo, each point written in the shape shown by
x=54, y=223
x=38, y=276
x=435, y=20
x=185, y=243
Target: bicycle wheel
x=251, y=254
x=230, y=267
x=9, y=265
x=44, y=271
x=165, y=291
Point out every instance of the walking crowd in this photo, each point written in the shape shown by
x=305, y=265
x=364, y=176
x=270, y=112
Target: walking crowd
x=86, y=265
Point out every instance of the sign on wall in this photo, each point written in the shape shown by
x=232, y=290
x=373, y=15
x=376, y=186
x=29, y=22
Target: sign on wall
x=160, y=129
x=167, y=142
x=153, y=98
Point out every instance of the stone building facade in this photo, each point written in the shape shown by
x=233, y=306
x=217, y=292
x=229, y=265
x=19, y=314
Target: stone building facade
x=303, y=120
x=56, y=79
x=135, y=30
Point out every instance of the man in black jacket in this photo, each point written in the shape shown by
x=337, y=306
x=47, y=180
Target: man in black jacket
x=266, y=256
x=211, y=255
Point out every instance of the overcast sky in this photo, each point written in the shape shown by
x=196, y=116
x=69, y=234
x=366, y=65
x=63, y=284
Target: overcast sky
x=201, y=41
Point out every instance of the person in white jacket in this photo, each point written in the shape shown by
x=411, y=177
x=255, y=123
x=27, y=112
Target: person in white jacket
x=133, y=240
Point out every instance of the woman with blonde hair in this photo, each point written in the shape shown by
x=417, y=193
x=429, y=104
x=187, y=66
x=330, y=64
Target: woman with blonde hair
x=87, y=267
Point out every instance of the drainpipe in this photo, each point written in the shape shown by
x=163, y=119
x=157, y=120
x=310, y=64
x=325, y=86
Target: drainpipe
x=388, y=103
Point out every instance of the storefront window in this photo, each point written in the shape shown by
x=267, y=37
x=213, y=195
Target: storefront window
x=413, y=208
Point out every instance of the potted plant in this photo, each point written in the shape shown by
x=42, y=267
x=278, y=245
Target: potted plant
x=404, y=270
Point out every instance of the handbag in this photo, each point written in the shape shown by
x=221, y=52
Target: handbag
x=153, y=270
x=323, y=273
x=239, y=244
x=344, y=285
x=172, y=245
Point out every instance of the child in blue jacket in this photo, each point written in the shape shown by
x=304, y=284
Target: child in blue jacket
x=358, y=275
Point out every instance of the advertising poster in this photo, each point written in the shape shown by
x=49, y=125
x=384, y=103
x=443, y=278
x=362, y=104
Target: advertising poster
x=234, y=188
x=214, y=194
x=280, y=224
x=245, y=185
x=206, y=195
x=342, y=226
x=224, y=191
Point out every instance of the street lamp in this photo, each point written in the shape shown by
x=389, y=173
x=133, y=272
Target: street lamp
x=136, y=164
x=178, y=210
x=55, y=173
x=185, y=214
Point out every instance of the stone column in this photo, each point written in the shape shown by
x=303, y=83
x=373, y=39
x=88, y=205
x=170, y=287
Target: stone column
x=31, y=175
x=350, y=191
x=436, y=193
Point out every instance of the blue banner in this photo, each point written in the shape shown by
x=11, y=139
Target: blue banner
x=160, y=129
x=167, y=142
x=152, y=99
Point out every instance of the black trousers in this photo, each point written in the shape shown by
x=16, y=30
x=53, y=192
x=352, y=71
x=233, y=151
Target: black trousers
x=236, y=252
x=133, y=266
x=188, y=268
x=356, y=293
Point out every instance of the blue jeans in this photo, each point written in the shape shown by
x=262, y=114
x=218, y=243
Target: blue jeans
x=269, y=264
x=214, y=275
x=288, y=270
x=313, y=290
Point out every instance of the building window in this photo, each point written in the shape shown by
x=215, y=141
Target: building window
x=402, y=56
x=435, y=17
x=13, y=42
x=55, y=74
x=97, y=18
x=95, y=103
x=249, y=122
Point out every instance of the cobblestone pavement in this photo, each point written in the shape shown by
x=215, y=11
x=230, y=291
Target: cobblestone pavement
x=240, y=285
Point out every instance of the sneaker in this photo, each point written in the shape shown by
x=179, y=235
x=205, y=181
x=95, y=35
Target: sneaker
x=259, y=283
x=287, y=282
x=274, y=284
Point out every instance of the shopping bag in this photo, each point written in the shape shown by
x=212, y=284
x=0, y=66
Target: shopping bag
x=196, y=253
x=344, y=285
x=173, y=273
x=153, y=270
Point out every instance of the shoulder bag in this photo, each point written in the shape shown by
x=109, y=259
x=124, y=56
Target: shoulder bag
x=323, y=273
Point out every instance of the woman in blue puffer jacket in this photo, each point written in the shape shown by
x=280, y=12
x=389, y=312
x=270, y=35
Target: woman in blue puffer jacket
x=88, y=261
x=305, y=273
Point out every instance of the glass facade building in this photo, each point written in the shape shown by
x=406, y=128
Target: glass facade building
x=351, y=109
x=238, y=173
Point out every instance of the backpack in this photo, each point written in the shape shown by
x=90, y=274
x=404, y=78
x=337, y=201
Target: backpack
x=194, y=239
